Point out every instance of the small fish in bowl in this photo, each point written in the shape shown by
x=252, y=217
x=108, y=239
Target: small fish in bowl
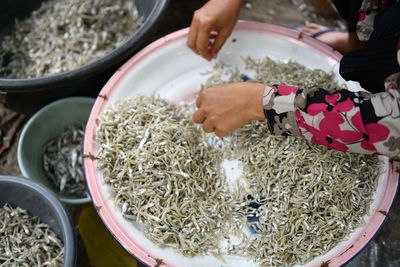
x=26, y=241
x=62, y=161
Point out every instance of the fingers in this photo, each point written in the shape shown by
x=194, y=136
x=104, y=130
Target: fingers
x=199, y=34
x=208, y=121
x=315, y=26
x=201, y=37
x=213, y=34
x=221, y=133
x=193, y=30
x=203, y=42
x=198, y=101
x=199, y=116
x=219, y=42
x=312, y=28
x=208, y=126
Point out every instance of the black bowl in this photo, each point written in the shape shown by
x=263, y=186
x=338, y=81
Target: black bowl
x=87, y=78
x=40, y=202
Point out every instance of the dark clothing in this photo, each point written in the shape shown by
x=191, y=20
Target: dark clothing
x=371, y=65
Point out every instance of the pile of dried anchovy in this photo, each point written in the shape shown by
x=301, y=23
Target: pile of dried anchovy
x=63, y=35
x=270, y=71
x=307, y=198
x=163, y=174
x=62, y=161
x=25, y=241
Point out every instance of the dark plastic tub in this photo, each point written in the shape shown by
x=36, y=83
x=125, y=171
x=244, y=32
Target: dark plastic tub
x=86, y=78
x=41, y=202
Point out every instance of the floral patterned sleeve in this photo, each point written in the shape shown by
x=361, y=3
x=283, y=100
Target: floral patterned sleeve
x=360, y=122
x=347, y=121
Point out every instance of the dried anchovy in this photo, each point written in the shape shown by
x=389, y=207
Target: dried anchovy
x=63, y=35
x=307, y=197
x=25, y=241
x=269, y=71
x=62, y=161
x=163, y=174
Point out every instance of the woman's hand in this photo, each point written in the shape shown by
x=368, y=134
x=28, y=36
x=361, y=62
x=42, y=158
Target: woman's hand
x=211, y=26
x=224, y=108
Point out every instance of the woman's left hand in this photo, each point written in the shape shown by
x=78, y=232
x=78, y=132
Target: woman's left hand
x=224, y=108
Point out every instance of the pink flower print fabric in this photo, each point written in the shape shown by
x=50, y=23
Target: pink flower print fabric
x=346, y=121
x=368, y=11
x=359, y=122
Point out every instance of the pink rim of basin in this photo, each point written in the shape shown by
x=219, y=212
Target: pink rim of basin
x=95, y=185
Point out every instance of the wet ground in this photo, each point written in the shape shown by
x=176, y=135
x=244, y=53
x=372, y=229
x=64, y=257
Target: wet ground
x=383, y=250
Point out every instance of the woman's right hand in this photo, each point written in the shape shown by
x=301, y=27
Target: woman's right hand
x=211, y=26
x=224, y=108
